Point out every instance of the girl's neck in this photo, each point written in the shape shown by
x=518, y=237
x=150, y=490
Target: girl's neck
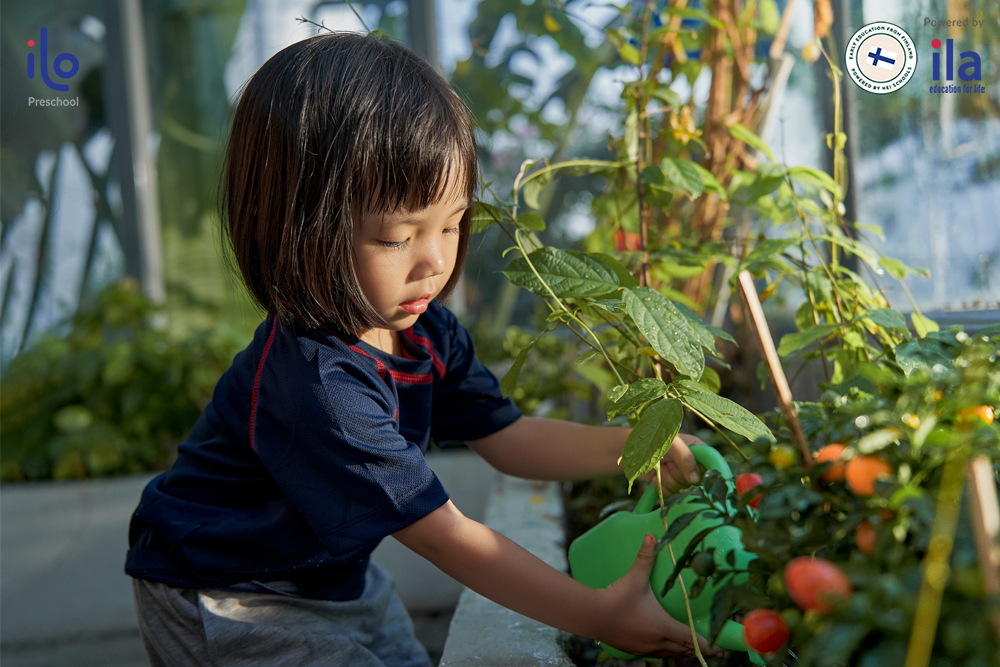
x=386, y=340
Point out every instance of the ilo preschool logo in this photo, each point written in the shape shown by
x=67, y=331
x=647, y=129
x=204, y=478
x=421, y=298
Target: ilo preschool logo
x=881, y=58
x=65, y=65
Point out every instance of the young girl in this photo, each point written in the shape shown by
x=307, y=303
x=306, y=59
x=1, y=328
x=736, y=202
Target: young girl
x=349, y=175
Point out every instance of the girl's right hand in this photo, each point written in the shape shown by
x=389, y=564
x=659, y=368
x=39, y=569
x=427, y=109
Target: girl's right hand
x=636, y=623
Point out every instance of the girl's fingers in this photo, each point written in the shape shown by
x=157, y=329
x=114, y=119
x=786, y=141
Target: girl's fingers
x=681, y=454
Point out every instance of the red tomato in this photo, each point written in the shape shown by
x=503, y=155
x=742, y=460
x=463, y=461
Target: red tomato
x=764, y=630
x=814, y=583
x=626, y=240
x=747, y=481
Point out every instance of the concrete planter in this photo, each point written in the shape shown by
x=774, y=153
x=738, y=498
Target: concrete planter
x=65, y=596
x=483, y=633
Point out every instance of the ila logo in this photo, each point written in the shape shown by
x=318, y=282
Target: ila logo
x=970, y=69
x=57, y=64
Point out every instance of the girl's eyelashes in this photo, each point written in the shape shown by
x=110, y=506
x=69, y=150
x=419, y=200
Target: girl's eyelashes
x=399, y=244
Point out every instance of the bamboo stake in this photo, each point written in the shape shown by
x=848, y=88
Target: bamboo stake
x=780, y=382
x=985, y=510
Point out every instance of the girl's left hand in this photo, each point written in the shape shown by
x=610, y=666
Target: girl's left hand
x=678, y=468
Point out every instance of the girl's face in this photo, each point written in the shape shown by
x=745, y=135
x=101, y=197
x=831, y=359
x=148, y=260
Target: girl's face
x=405, y=258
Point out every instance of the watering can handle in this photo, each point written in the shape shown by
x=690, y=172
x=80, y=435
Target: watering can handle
x=703, y=454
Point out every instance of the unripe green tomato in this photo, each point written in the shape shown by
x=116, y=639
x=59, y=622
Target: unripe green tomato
x=792, y=616
x=703, y=564
x=776, y=586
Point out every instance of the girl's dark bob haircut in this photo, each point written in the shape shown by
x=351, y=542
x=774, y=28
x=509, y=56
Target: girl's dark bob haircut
x=326, y=129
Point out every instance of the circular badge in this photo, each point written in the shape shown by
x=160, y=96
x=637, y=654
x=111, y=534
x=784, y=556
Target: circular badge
x=881, y=58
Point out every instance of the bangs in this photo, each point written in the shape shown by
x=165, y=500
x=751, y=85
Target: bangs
x=420, y=150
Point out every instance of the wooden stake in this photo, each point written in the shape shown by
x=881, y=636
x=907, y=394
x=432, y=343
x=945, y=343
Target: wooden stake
x=985, y=510
x=780, y=382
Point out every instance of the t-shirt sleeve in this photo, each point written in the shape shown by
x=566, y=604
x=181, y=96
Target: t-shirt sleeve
x=333, y=447
x=468, y=403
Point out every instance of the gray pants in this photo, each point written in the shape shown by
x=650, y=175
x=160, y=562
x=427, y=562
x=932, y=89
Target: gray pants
x=187, y=627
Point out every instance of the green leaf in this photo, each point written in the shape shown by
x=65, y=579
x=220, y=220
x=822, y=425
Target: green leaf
x=710, y=380
x=877, y=440
x=852, y=246
x=569, y=273
x=666, y=329
x=649, y=441
x=887, y=318
x=923, y=324
x=722, y=411
x=610, y=305
x=627, y=398
x=722, y=608
x=704, y=333
x=709, y=182
x=625, y=279
x=765, y=252
x=532, y=188
x=531, y=221
x=683, y=174
x=484, y=215
x=898, y=269
x=921, y=352
x=509, y=380
x=796, y=341
x=689, y=13
x=667, y=96
x=740, y=132
x=815, y=177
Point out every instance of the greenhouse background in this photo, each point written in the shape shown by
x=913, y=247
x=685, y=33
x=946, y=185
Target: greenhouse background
x=123, y=185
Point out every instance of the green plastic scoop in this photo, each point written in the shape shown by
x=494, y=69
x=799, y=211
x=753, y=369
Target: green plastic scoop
x=605, y=553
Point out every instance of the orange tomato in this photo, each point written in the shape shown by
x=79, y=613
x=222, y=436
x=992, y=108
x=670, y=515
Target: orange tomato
x=864, y=538
x=815, y=583
x=831, y=453
x=968, y=416
x=862, y=471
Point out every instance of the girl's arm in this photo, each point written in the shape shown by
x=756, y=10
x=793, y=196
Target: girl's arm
x=554, y=449
x=626, y=615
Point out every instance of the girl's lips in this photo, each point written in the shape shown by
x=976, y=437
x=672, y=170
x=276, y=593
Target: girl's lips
x=415, y=307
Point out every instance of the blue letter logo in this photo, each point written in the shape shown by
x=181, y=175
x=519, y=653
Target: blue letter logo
x=58, y=65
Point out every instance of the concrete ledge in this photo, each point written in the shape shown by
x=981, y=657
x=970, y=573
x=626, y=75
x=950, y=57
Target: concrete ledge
x=482, y=632
x=67, y=601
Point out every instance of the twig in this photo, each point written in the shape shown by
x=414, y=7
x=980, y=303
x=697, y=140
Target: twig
x=784, y=393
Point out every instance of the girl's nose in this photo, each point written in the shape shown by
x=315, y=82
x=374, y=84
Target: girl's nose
x=433, y=261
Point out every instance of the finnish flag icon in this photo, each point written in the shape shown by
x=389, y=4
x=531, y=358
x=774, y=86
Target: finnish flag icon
x=879, y=57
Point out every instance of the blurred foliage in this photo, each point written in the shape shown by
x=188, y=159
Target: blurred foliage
x=112, y=397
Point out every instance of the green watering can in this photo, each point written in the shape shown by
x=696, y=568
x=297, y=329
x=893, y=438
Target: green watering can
x=605, y=553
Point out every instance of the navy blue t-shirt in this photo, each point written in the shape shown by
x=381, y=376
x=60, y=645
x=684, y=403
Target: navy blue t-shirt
x=309, y=453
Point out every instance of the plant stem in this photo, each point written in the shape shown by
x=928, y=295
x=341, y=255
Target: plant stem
x=936, y=570
x=680, y=580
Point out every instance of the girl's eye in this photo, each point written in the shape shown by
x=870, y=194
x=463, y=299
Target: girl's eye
x=390, y=244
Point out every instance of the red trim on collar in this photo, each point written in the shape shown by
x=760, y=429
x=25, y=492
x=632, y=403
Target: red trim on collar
x=398, y=376
x=256, y=383
x=425, y=343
